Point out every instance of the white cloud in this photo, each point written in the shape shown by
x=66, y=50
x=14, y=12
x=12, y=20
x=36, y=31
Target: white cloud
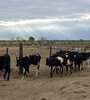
x=40, y=17
x=4, y=38
x=44, y=21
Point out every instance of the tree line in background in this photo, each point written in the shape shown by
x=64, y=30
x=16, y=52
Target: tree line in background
x=43, y=39
x=31, y=38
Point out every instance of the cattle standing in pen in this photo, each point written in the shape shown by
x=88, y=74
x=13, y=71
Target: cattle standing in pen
x=64, y=57
x=5, y=64
x=26, y=61
x=85, y=58
x=78, y=60
x=54, y=63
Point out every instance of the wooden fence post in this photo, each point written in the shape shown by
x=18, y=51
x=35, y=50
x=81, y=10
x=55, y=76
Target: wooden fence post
x=50, y=51
x=20, y=56
x=7, y=51
x=84, y=49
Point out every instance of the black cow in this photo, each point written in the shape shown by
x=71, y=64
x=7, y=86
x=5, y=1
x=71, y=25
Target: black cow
x=26, y=61
x=5, y=64
x=78, y=60
x=85, y=58
x=54, y=62
x=64, y=57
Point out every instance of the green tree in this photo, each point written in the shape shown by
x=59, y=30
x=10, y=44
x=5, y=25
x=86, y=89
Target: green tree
x=31, y=38
x=81, y=40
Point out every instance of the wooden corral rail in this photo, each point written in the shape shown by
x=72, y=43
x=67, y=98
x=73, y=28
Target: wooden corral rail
x=58, y=45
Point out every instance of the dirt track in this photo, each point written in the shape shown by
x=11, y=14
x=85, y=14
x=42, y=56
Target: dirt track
x=71, y=87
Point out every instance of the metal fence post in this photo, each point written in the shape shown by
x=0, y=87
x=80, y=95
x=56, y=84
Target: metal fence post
x=20, y=56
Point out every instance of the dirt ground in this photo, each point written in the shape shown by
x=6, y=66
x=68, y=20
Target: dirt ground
x=71, y=87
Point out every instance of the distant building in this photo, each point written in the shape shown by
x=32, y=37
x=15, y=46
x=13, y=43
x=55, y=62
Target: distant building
x=19, y=39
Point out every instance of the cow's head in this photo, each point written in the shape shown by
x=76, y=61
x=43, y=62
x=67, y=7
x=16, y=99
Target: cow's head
x=74, y=56
x=66, y=55
x=17, y=61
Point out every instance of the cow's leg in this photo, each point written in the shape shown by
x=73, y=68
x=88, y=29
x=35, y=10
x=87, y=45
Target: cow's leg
x=56, y=70
x=82, y=66
x=8, y=71
x=61, y=70
x=71, y=68
x=88, y=63
x=24, y=74
x=5, y=73
x=38, y=67
x=75, y=68
x=51, y=73
x=28, y=73
x=66, y=69
x=36, y=71
x=79, y=67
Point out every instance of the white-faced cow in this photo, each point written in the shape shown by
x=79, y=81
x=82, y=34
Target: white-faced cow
x=26, y=61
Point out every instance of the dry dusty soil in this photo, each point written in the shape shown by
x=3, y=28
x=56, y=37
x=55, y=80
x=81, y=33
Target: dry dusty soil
x=71, y=87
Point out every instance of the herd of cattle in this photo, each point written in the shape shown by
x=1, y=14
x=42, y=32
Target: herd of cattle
x=59, y=61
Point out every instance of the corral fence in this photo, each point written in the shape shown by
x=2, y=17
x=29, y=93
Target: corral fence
x=61, y=44
x=52, y=47
x=77, y=48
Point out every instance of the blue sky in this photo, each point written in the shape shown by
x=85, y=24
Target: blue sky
x=52, y=19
